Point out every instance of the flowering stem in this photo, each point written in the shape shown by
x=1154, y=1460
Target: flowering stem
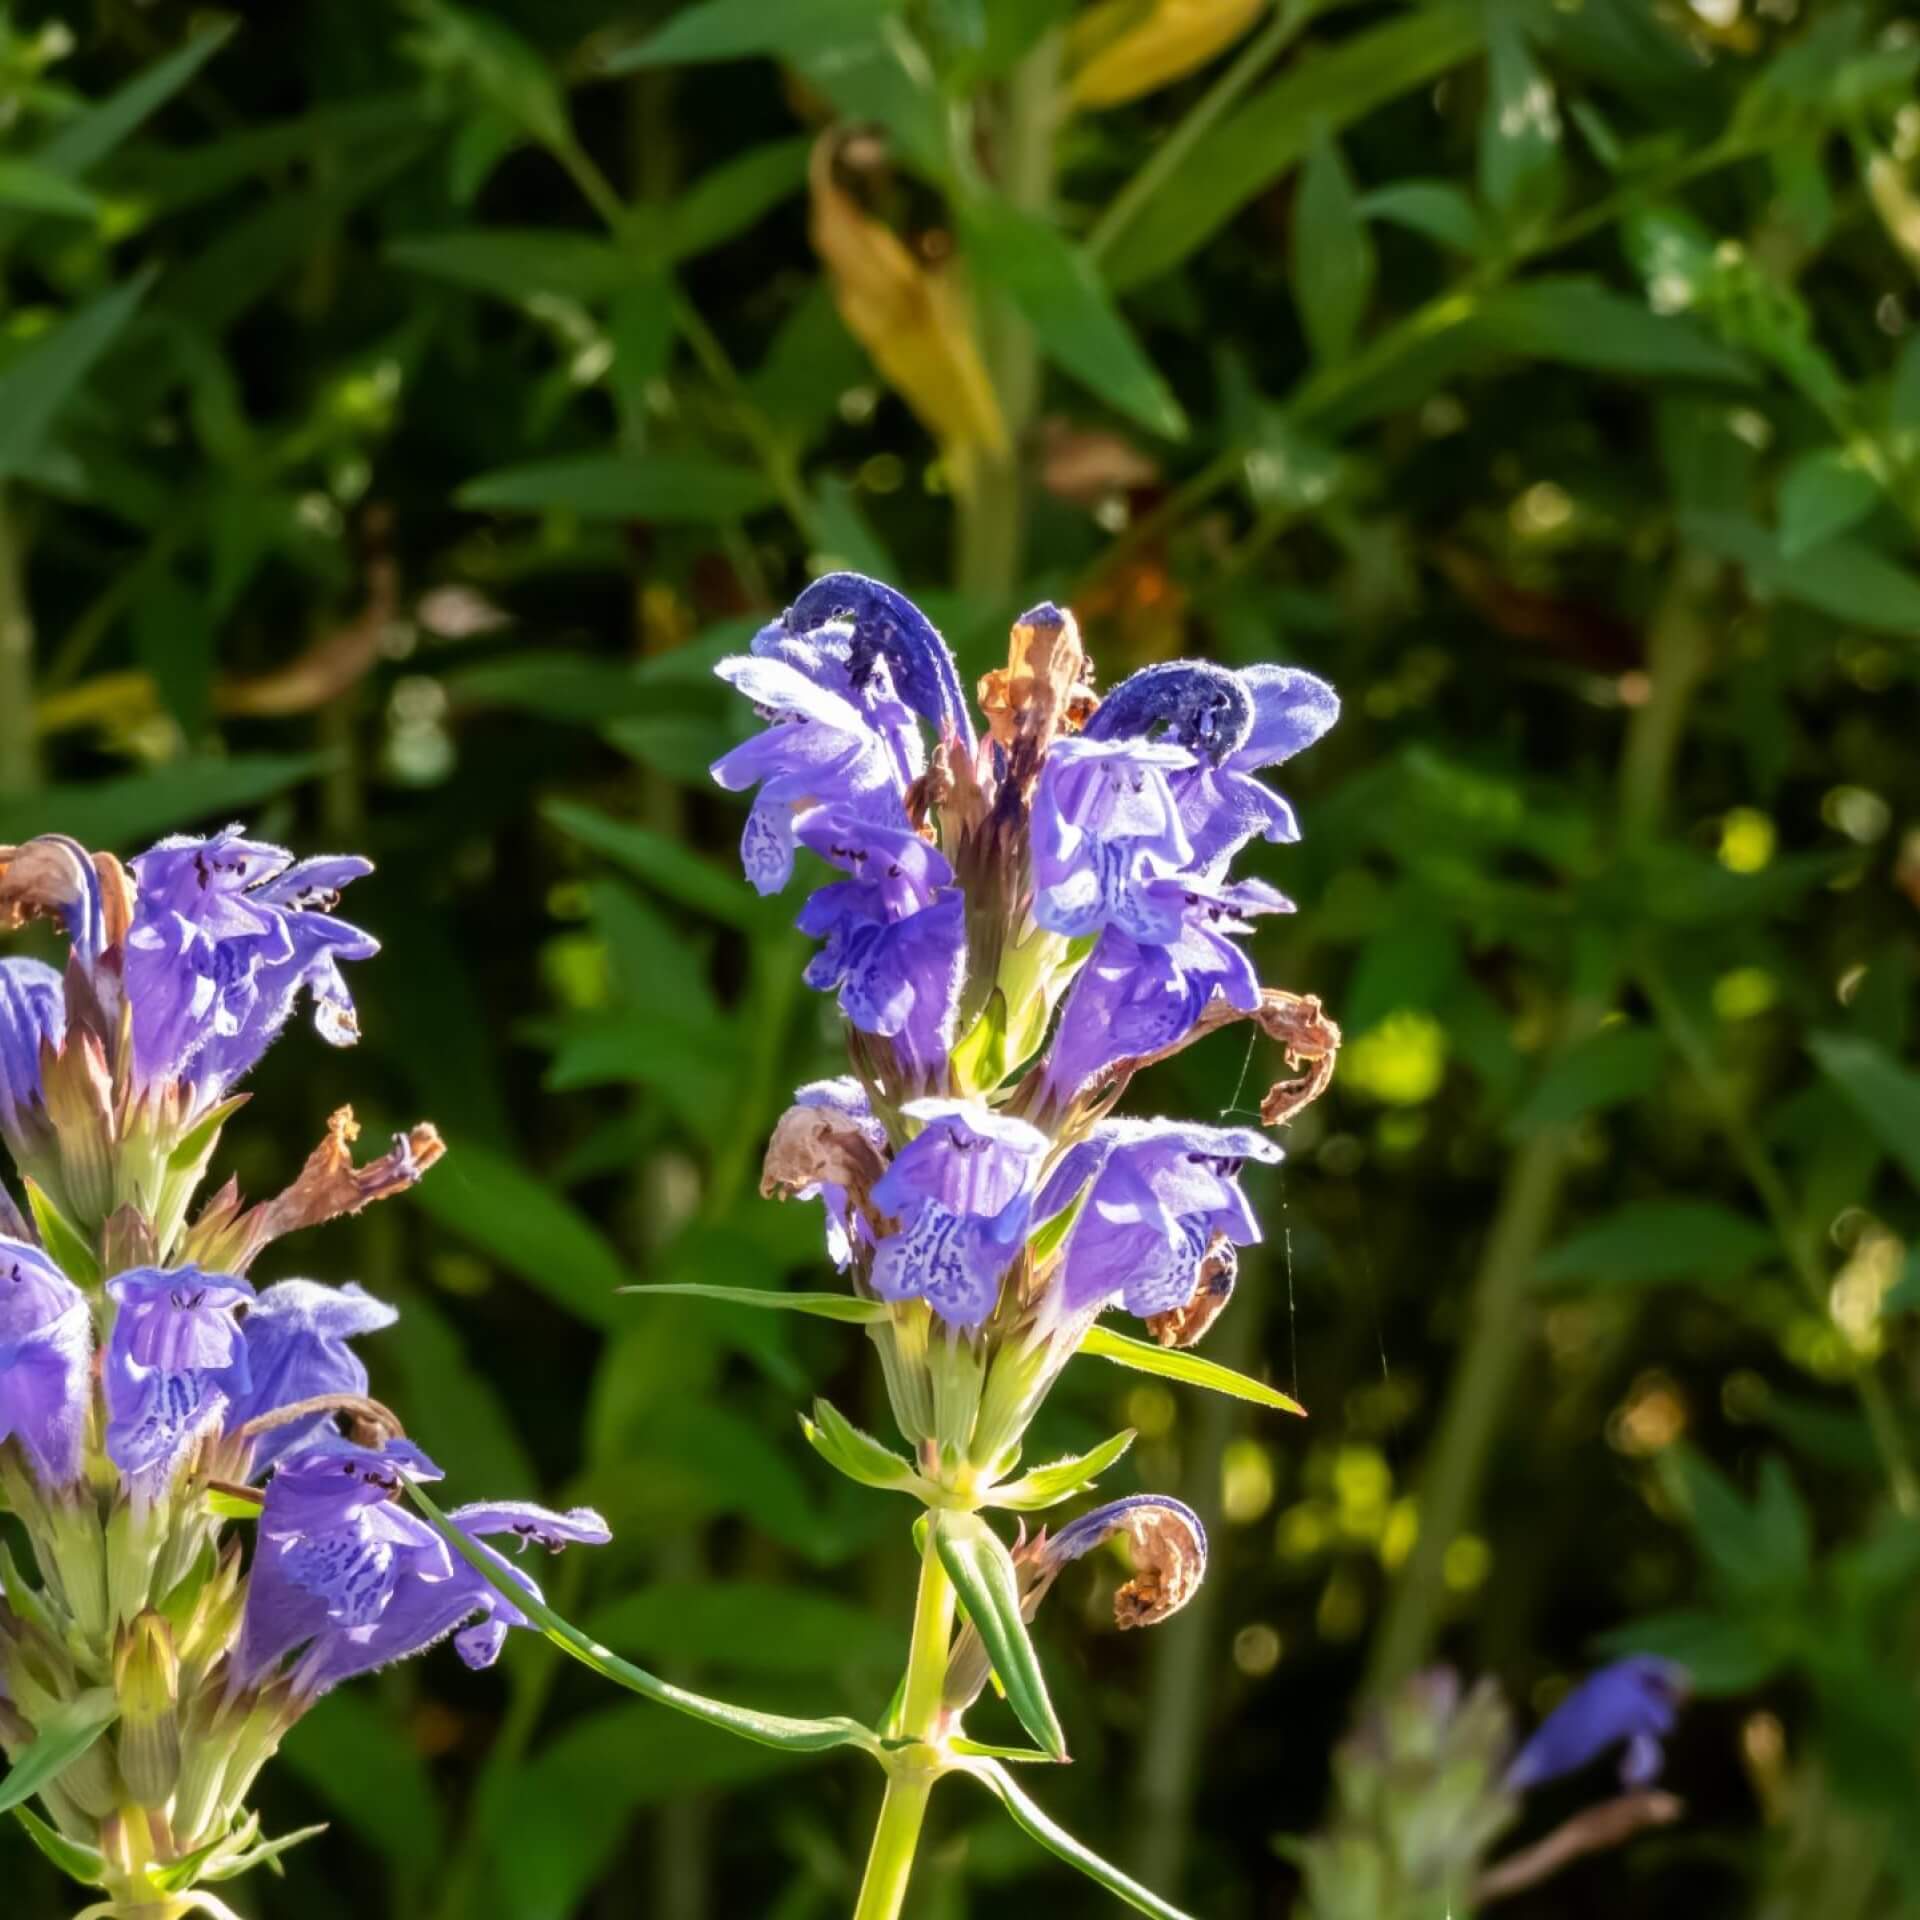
x=896, y=1838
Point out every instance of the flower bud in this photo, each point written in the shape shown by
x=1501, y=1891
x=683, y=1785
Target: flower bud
x=146, y=1676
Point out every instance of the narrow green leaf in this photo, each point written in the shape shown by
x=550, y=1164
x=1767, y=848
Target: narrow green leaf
x=72, y=1253
x=1619, y=1063
x=1903, y=397
x=1822, y=494
x=1319, y=96
x=982, y=1571
x=264, y=1854
x=768, y=1729
x=1658, y=1240
x=665, y=865
x=41, y=379
x=516, y=264
x=521, y=1222
x=735, y=29
x=29, y=188
x=858, y=1454
x=984, y=1750
x=91, y=135
x=1522, y=172
x=1174, y=1363
x=75, y=1859
x=138, y=808
x=1079, y=328
x=674, y=489
x=729, y=198
x=1333, y=257
x=821, y=1306
x=1037, y=1826
x=1883, y=1093
x=1060, y=1480
x=1845, y=579
x=63, y=1736
x=1436, y=209
x=1580, y=323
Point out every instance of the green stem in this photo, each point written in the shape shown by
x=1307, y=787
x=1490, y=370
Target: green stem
x=896, y=1837
x=991, y=533
x=19, y=750
x=1769, y=1184
x=1254, y=58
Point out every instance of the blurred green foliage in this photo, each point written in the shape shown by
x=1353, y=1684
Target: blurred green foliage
x=402, y=407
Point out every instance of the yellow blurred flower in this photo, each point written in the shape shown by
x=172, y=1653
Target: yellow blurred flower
x=1119, y=49
x=915, y=322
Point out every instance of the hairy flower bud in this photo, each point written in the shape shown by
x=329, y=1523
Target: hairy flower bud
x=146, y=1678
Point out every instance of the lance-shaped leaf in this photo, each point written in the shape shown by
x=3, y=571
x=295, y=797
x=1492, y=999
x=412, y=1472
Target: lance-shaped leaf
x=769, y=1729
x=42, y=379
x=62, y=1239
x=1173, y=1363
x=1880, y=1090
x=64, y=1735
x=822, y=1306
x=74, y=1858
x=859, y=1455
x=981, y=1569
x=1030, y=1820
x=1060, y=1479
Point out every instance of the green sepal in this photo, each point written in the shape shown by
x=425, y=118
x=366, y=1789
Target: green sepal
x=859, y=1455
x=767, y=1729
x=1031, y=1821
x=266, y=1854
x=66, y=1245
x=74, y=1858
x=822, y=1306
x=64, y=1735
x=980, y=1059
x=1059, y=1480
x=232, y=1506
x=982, y=1750
x=982, y=1571
x=1175, y=1363
x=1046, y=1242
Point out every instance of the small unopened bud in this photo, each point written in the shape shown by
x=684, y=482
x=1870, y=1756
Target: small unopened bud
x=146, y=1676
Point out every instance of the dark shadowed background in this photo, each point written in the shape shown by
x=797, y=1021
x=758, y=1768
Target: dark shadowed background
x=401, y=407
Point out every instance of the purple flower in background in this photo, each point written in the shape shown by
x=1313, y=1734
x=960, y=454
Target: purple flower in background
x=295, y=1337
x=46, y=1345
x=847, y=1097
x=962, y=1192
x=33, y=1010
x=226, y=935
x=1131, y=1000
x=1168, y=1544
x=818, y=749
x=1161, y=1196
x=175, y=1357
x=1222, y=805
x=350, y=1579
x=1634, y=1700
x=895, y=932
x=1105, y=824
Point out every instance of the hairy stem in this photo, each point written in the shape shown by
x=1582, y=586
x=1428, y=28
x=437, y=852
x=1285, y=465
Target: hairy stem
x=896, y=1837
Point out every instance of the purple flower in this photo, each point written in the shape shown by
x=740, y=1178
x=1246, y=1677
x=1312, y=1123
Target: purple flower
x=883, y=626
x=818, y=749
x=1105, y=824
x=175, y=1357
x=226, y=935
x=46, y=1345
x=349, y=1579
x=1131, y=999
x=962, y=1192
x=295, y=1337
x=1169, y=1548
x=1222, y=805
x=1159, y=1195
x=895, y=933
x=1191, y=703
x=1634, y=1700
x=33, y=1010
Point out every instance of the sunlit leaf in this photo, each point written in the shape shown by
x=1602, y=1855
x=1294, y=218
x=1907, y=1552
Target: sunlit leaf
x=1047, y=1486
x=76, y=1860
x=1055, y=1838
x=61, y=1738
x=982, y=1571
x=856, y=1453
x=1118, y=50
x=1175, y=1363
